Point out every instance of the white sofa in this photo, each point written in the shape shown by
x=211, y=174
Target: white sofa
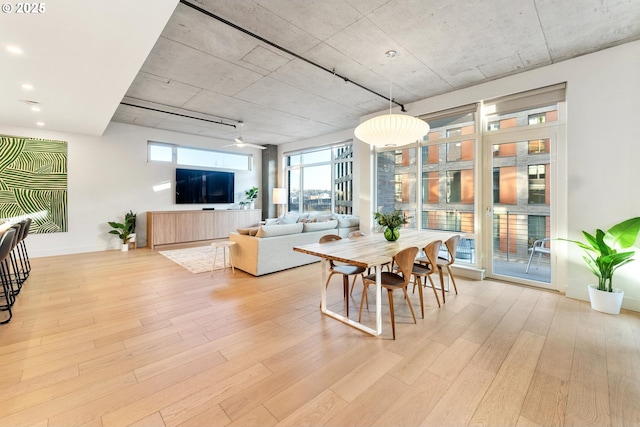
x=269, y=248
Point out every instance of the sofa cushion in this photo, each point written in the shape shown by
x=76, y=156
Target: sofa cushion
x=279, y=230
x=318, y=226
x=288, y=218
x=348, y=222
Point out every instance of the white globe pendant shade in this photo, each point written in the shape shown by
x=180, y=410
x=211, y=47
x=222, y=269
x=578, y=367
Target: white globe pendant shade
x=391, y=130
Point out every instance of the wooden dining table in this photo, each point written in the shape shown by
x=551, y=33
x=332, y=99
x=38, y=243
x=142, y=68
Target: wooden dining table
x=370, y=251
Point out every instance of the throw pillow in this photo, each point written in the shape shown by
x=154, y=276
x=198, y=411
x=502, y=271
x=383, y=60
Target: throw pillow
x=290, y=218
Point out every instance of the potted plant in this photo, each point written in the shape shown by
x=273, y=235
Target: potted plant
x=603, y=259
x=130, y=222
x=392, y=222
x=124, y=230
x=251, y=195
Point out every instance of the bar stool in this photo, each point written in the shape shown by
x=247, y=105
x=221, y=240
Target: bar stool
x=224, y=245
x=6, y=243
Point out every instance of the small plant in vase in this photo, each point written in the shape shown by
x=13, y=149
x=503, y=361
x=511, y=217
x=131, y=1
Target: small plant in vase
x=251, y=195
x=392, y=222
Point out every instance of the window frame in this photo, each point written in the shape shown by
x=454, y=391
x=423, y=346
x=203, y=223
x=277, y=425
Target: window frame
x=174, y=157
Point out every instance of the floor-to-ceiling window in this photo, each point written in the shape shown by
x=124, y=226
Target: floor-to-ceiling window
x=448, y=174
x=321, y=180
x=504, y=169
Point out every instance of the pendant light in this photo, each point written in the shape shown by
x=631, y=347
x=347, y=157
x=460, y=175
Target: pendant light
x=390, y=130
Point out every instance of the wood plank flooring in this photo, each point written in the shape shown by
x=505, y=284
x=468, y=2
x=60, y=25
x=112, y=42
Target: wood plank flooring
x=119, y=339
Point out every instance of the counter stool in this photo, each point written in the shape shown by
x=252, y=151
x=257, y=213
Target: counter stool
x=224, y=245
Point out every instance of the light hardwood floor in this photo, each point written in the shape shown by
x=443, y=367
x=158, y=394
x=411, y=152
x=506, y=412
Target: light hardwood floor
x=117, y=339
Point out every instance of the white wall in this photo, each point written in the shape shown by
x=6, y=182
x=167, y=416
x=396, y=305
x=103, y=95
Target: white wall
x=109, y=175
x=603, y=151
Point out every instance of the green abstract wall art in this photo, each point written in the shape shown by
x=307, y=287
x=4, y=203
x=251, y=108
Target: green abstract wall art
x=33, y=182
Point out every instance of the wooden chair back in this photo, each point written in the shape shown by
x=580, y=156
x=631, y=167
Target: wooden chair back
x=431, y=252
x=329, y=238
x=404, y=260
x=452, y=247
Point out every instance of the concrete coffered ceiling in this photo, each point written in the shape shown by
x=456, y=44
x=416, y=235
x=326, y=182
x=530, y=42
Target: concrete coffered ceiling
x=209, y=72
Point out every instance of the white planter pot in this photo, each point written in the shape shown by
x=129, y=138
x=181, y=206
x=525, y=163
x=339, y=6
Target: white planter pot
x=124, y=247
x=606, y=302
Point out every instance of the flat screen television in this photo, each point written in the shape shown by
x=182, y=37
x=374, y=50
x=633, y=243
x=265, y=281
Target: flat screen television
x=200, y=186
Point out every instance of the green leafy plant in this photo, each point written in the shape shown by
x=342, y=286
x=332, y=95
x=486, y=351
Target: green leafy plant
x=601, y=250
x=124, y=230
x=121, y=230
x=393, y=220
x=251, y=194
x=130, y=221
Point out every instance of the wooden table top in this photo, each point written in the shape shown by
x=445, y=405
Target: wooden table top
x=373, y=249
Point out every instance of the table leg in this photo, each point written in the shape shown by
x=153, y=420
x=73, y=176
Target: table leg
x=379, y=299
x=324, y=266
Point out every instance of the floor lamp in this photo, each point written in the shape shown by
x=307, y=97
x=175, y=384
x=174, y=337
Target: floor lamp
x=279, y=198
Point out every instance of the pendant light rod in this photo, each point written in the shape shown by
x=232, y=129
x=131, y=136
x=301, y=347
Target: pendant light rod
x=283, y=49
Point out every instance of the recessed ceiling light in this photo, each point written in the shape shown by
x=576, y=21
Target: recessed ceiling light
x=27, y=86
x=35, y=108
x=15, y=50
x=40, y=123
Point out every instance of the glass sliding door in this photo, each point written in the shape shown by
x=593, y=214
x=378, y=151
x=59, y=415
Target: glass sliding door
x=520, y=210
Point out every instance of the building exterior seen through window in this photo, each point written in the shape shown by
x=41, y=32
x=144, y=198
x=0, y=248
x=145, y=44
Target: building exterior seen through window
x=446, y=164
x=321, y=180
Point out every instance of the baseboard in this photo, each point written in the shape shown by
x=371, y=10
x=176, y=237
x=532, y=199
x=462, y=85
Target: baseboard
x=468, y=272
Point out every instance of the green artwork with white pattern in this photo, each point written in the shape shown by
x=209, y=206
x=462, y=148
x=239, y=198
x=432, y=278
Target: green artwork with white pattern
x=33, y=182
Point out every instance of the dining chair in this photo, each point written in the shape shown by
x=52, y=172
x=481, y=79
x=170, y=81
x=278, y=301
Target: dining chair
x=424, y=268
x=345, y=270
x=452, y=246
x=393, y=281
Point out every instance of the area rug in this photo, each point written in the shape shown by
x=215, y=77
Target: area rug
x=196, y=260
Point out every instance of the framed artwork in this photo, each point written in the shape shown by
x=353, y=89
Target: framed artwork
x=33, y=182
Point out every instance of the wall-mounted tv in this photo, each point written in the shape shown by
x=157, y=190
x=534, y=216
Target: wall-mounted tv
x=199, y=186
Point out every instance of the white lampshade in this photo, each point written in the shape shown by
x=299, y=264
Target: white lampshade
x=279, y=196
x=391, y=130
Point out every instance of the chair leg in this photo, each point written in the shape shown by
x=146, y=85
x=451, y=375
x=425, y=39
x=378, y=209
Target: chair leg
x=393, y=319
x=421, y=299
x=435, y=292
x=366, y=297
x=417, y=282
x=345, y=292
x=441, y=276
x=365, y=288
x=453, y=280
x=529, y=263
x=406, y=295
